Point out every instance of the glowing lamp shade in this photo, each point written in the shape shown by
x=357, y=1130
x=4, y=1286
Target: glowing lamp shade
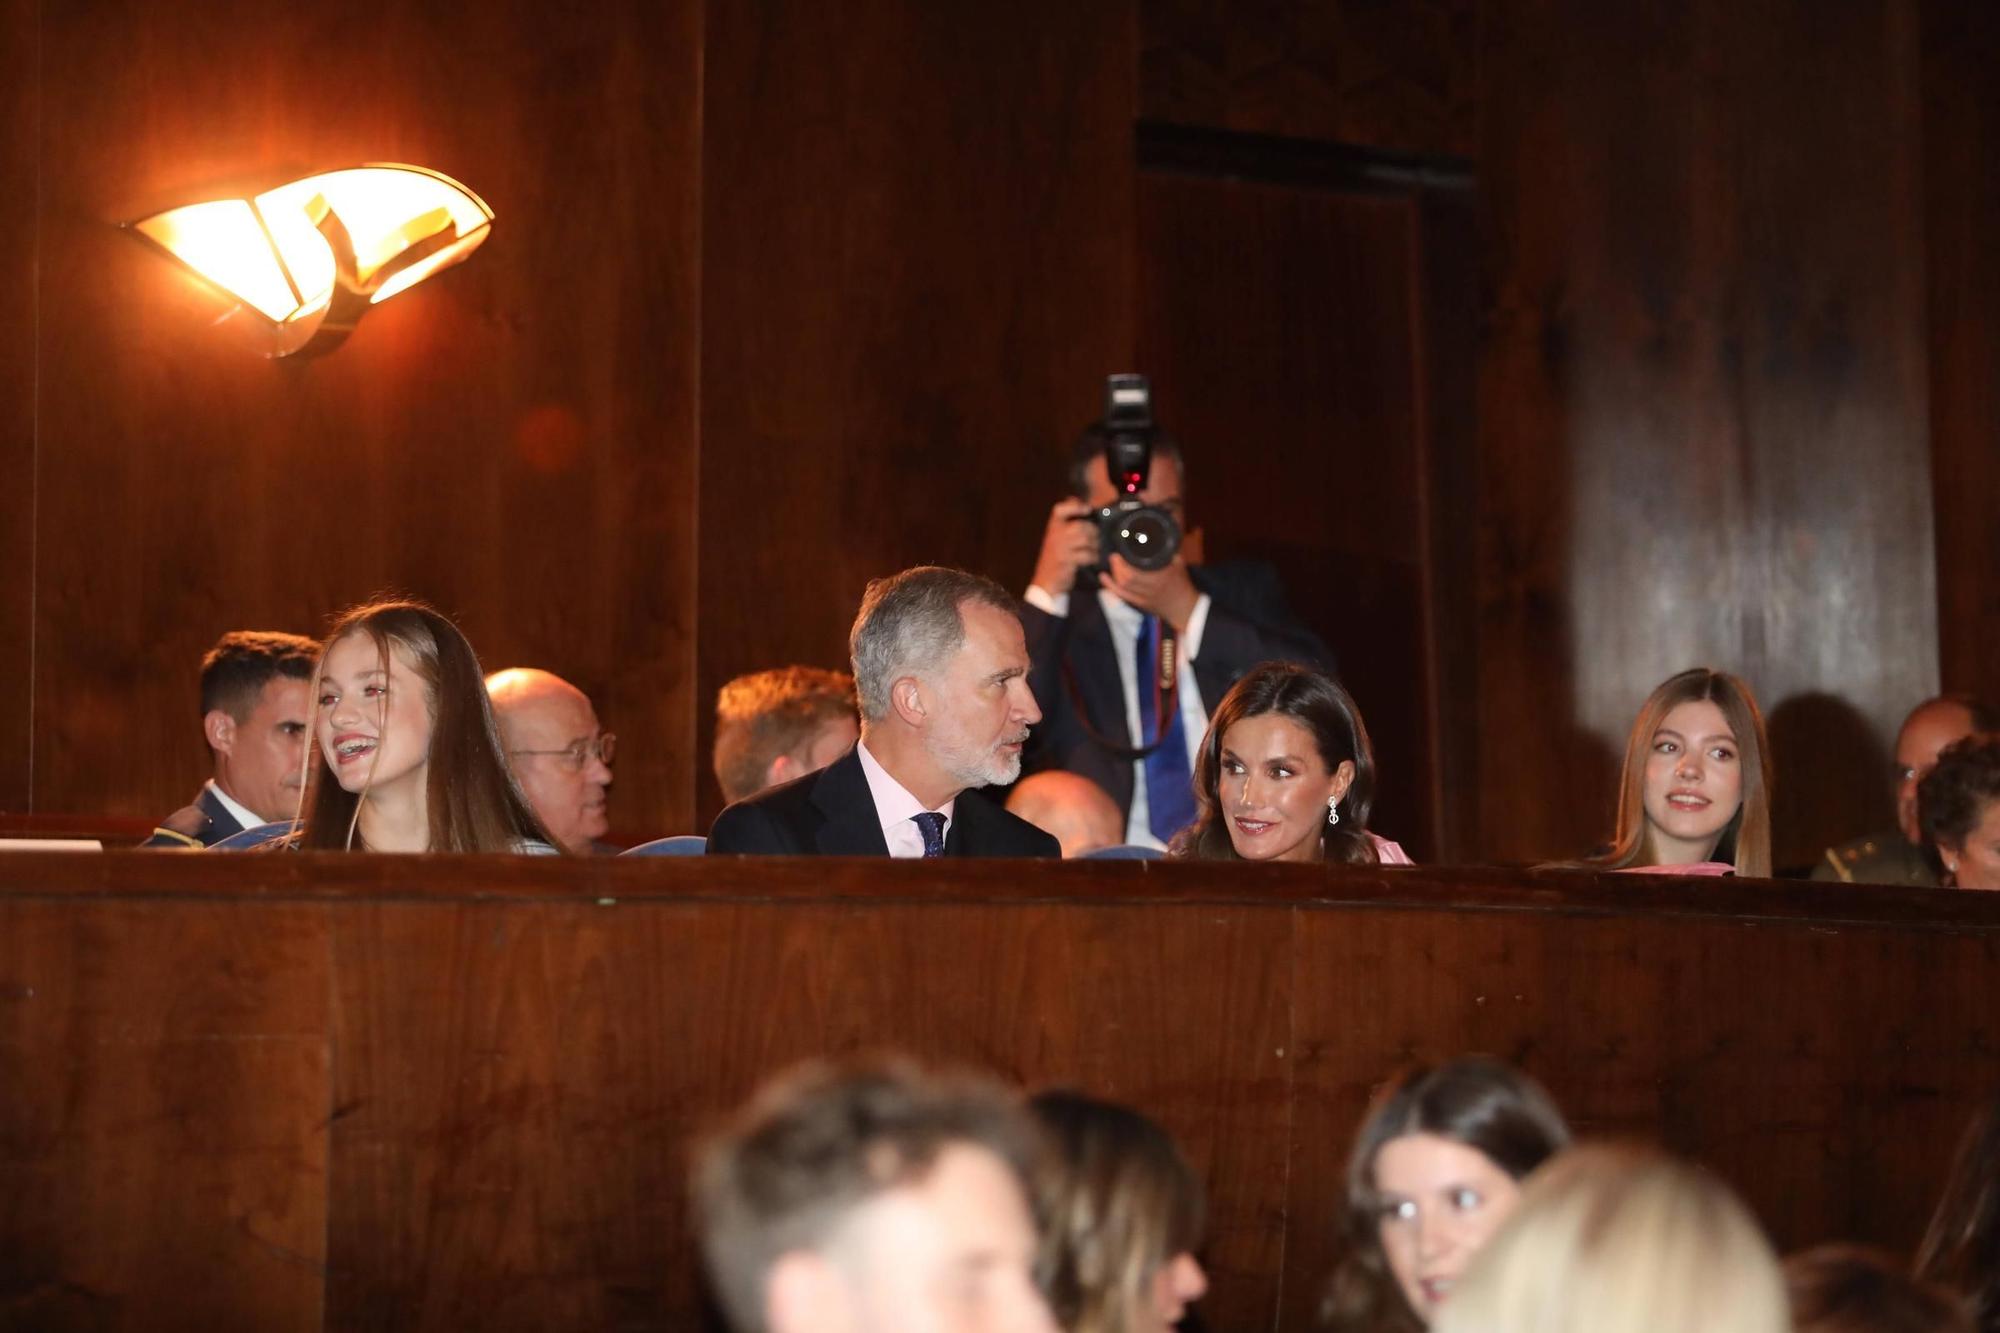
x=312, y=255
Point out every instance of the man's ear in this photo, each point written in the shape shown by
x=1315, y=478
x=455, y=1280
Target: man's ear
x=220, y=728
x=804, y=1292
x=783, y=769
x=906, y=700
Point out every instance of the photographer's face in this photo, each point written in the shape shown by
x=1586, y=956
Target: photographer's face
x=980, y=707
x=1163, y=487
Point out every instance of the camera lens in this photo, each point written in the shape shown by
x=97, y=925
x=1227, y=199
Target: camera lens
x=1146, y=537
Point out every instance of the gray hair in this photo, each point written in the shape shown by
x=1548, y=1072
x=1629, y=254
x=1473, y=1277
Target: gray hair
x=909, y=623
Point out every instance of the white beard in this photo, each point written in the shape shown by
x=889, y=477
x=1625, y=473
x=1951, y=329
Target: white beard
x=974, y=764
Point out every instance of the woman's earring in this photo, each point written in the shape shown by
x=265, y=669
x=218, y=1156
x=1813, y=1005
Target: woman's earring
x=1333, y=809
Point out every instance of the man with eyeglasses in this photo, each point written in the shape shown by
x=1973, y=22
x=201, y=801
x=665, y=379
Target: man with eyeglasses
x=560, y=756
x=1901, y=856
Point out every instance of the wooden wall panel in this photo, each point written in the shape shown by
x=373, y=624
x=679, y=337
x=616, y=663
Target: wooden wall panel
x=20, y=107
x=1399, y=77
x=1702, y=398
x=1716, y=1038
x=1301, y=427
x=439, y=1093
x=916, y=264
x=1962, y=192
x=510, y=1112
x=167, y=1077
x=509, y=440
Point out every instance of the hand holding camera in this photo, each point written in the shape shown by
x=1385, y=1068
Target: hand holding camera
x=1126, y=536
x=1167, y=593
x=1069, y=546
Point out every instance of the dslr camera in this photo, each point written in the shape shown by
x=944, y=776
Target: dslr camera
x=1145, y=535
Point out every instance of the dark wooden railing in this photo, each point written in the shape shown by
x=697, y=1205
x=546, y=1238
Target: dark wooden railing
x=268, y=1092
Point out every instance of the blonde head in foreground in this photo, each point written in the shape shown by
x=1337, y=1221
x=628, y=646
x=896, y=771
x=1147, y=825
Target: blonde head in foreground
x=1615, y=1240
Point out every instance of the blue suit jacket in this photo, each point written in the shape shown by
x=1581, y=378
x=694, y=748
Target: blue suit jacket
x=202, y=824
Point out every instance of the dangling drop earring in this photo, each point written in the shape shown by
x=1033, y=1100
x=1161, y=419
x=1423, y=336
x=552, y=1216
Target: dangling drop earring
x=1333, y=809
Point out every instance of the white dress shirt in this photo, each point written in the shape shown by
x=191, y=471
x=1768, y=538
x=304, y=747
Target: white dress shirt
x=894, y=806
x=1126, y=621
x=242, y=813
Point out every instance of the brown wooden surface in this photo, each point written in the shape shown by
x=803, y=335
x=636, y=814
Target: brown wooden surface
x=261, y=1091
x=111, y=830
x=1302, y=428
x=916, y=268
x=1703, y=407
x=1962, y=190
x=781, y=299
x=19, y=165
x=1400, y=76
x=508, y=440
x=171, y=1069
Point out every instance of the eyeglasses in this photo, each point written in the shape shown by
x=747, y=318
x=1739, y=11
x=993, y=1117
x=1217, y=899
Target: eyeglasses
x=573, y=757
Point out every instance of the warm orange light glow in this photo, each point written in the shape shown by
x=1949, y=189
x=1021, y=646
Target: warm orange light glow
x=312, y=254
x=222, y=242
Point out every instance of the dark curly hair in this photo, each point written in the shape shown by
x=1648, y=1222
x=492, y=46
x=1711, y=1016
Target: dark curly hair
x=1954, y=795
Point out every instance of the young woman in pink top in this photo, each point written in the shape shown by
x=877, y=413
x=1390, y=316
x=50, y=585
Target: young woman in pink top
x=1286, y=774
x=1695, y=794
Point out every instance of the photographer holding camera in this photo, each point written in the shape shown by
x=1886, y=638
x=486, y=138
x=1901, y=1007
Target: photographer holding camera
x=1130, y=636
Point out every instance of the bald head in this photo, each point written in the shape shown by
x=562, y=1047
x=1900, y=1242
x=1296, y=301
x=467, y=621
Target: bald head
x=1077, y=811
x=1931, y=725
x=556, y=749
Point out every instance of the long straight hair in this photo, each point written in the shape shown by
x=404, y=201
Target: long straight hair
x=1746, y=839
x=1961, y=1246
x=471, y=799
x=1316, y=702
x=1117, y=1200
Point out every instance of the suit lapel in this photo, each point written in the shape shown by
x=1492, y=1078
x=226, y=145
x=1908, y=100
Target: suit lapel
x=851, y=827
x=1103, y=697
x=962, y=838
x=221, y=824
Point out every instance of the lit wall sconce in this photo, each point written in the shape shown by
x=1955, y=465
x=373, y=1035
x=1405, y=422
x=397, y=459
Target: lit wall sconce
x=308, y=258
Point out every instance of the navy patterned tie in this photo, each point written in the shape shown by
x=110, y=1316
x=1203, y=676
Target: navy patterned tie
x=931, y=824
x=1169, y=782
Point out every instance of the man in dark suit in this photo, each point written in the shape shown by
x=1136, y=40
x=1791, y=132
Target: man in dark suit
x=1095, y=635
x=256, y=688
x=941, y=668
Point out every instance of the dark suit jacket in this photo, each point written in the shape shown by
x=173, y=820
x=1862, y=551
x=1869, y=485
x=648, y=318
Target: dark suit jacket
x=1074, y=672
x=202, y=824
x=832, y=813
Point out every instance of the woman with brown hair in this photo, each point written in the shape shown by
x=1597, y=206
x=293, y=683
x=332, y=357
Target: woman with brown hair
x=1961, y=1246
x=1121, y=1217
x=1286, y=773
x=1694, y=796
x=408, y=758
x=1436, y=1168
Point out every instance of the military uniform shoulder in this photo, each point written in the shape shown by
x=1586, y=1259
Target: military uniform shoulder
x=185, y=827
x=1879, y=858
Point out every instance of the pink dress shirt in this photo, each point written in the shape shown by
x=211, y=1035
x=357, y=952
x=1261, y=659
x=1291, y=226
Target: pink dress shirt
x=894, y=806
